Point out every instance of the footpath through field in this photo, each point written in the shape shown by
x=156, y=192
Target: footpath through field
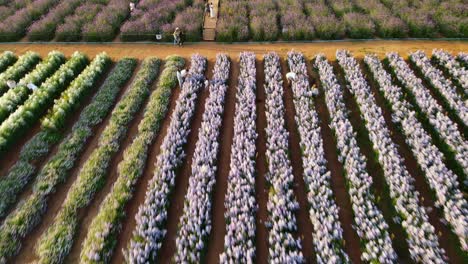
x=140, y=50
x=209, y=22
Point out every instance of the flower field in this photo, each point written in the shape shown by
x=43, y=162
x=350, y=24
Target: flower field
x=350, y=160
x=238, y=20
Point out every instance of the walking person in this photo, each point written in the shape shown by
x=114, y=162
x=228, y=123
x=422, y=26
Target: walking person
x=181, y=77
x=207, y=8
x=212, y=15
x=176, y=35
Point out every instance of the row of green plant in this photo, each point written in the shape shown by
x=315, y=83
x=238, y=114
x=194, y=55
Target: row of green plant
x=6, y=59
x=23, y=65
x=104, y=229
x=28, y=214
x=11, y=185
x=16, y=96
x=40, y=100
x=57, y=241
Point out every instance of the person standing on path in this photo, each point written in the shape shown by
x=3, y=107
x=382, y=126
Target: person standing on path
x=212, y=10
x=176, y=35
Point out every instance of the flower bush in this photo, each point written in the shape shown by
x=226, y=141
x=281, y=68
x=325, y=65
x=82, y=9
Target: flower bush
x=444, y=126
x=195, y=223
x=107, y=22
x=369, y=222
x=453, y=67
x=22, y=66
x=328, y=233
x=71, y=28
x=54, y=245
x=16, y=96
x=441, y=180
x=7, y=59
x=421, y=237
x=325, y=22
x=103, y=231
x=233, y=21
x=240, y=203
x=28, y=214
x=40, y=100
x=152, y=214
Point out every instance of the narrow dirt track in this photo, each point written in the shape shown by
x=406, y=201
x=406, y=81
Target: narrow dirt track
x=27, y=252
x=379, y=186
x=129, y=223
x=447, y=239
x=176, y=205
x=141, y=50
x=87, y=214
x=216, y=239
x=261, y=188
x=338, y=181
x=70, y=122
x=304, y=225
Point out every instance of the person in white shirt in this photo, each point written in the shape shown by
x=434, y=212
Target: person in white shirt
x=181, y=77
x=291, y=76
x=132, y=6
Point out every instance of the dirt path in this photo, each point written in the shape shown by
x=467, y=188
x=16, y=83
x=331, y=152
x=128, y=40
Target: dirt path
x=304, y=225
x=216, y=238
x=176, y=205
x=338, y=181
x=379, y=186
x=27, y=252
x=87, y=214
x=141, y=50
x=261, y=188
x=129, y=223
x=70, y=122
x=447, y=240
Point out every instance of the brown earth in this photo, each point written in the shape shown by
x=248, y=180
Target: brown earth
x=27, y=252
x=216, y=239
x=140, y=50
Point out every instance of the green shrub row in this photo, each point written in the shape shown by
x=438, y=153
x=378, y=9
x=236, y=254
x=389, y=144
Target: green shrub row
x=16, y=96
x=40, y=100
x=56, y=242
x=23, y=65
x=6, y=59
x=103, y=231
x=28, y=214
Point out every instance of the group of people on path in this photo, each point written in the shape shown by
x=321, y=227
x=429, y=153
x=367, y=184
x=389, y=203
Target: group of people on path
x=209, y=8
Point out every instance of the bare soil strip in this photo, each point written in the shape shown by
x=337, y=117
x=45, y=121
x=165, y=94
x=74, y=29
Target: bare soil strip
x=176, y=205
x=139, y=50
x=27, y=253
x=129, y=223
x=374, y=169
x=447, y=239
x=70, y=122
x=304, y=225
x=338, y=181
x=87, y=214
x=216, y=239
x=261, y=189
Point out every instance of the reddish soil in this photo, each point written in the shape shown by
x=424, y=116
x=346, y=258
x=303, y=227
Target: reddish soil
x=304, y=225
x=176, y=208
x=338, y=181
x=379, y=186
x=216, y=240
x=27, y=252
x=261, y=187
x=87, y=214
x=129, y=223
x=38, y=163
x=447, y=239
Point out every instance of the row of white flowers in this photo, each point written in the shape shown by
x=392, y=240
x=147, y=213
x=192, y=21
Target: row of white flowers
x=15, y=72
x=446, y=60
x=240, y=203
x=40, y=100
x=422, y=240
x=327, y=233
x=16, y=96
x=152, y=214
x=445, y=127
x=442, y=181
x=195, y=224
x=282, y=204
x=463, y=58
x=443, y=85
x=369, y=222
